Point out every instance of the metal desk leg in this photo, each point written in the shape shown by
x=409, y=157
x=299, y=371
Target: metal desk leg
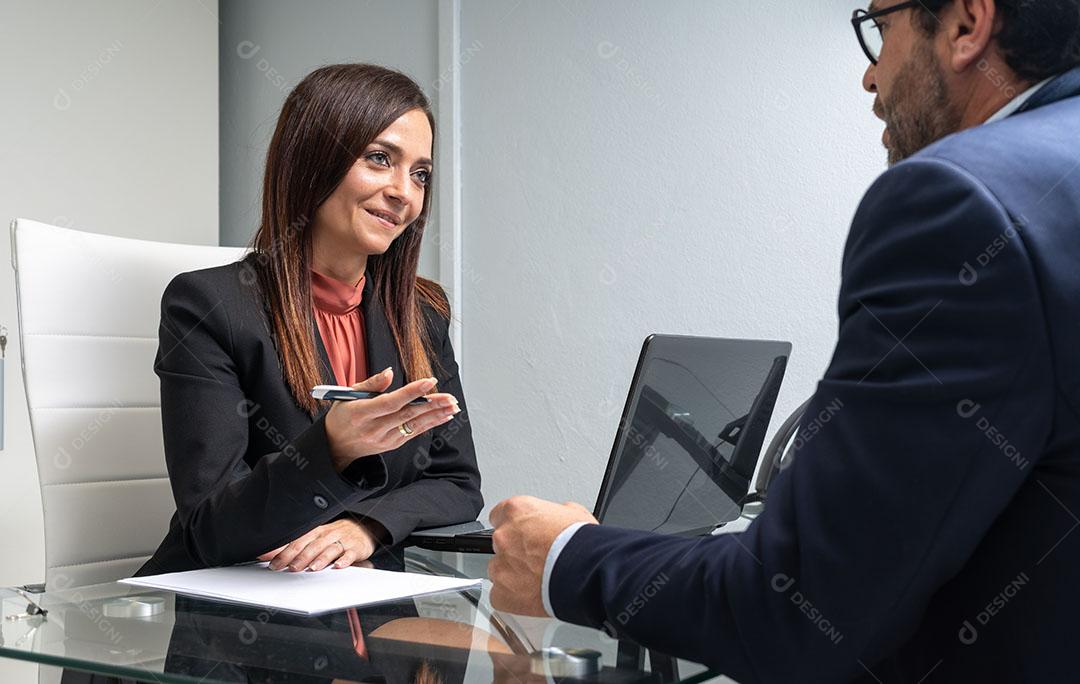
x=630, y=656
x=664, y=665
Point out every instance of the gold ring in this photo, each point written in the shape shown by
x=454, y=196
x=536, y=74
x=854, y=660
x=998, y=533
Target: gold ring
x=405, y=429
x=338, y=542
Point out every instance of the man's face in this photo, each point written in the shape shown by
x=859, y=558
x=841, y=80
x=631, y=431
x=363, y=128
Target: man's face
x=913, y=96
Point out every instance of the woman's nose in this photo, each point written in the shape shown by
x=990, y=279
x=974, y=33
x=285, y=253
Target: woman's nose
x=400, y=188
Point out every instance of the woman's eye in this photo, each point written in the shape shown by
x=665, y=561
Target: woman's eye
x=380, y=158
x=422, y=177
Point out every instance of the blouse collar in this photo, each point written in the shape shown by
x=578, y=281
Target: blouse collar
x=335, y=296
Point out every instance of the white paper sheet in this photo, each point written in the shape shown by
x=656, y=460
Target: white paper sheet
x=308, y=593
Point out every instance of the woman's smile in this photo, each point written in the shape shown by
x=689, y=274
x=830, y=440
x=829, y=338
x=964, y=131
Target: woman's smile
x=387, y=219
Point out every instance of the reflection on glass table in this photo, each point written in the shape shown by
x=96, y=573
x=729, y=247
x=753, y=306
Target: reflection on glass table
x=114, y=629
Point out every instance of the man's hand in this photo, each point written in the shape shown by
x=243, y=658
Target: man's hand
x=341, y=543
x=525, y=529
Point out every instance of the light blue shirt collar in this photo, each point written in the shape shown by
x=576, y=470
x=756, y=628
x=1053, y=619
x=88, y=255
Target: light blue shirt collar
x=1017, y=102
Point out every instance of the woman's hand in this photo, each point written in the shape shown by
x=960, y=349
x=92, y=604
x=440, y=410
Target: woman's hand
x=341, y=543
x=366, y=427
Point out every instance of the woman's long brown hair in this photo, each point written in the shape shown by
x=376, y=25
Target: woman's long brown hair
x=325, y=124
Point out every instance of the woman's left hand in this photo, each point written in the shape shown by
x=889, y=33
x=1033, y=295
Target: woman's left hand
x=340, y=543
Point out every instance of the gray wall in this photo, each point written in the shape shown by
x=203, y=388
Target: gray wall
x=109, y=125
x=687, y=166
x=267, y=46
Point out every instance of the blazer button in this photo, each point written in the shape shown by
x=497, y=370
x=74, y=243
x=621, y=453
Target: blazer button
x=320, y=501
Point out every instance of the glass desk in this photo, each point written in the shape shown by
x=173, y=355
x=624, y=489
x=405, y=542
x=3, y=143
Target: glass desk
x=438, y=639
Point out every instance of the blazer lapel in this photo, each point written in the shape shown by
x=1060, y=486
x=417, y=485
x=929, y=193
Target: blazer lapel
x=324, y=357
x=381, y=350
x=327, y=370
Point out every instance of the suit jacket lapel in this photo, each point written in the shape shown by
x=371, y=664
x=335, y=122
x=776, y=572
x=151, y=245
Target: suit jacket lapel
x=381, y=350
x=327, y=370
x=324, y=357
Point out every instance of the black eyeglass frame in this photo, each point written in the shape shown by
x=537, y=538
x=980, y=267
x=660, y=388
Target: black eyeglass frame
x=860, y=15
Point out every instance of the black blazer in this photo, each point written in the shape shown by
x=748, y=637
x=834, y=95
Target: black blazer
x=250, y=470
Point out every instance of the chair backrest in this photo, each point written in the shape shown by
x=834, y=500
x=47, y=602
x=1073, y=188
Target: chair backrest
x=780, y=452
x=89, y=308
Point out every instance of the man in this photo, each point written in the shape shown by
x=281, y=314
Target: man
x=928, y=532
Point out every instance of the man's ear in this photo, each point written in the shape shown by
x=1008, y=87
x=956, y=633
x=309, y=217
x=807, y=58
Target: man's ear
x=969, y=26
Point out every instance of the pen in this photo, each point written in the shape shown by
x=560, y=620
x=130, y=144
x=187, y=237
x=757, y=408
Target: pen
x=339, y=393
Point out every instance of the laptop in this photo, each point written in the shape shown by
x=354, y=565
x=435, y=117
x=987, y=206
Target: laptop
x=687, y=443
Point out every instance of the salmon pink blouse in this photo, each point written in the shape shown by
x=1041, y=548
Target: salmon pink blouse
x=341, y=326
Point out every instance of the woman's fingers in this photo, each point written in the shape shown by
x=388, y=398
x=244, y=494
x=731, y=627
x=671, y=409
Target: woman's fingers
x=440, y=404
x=347, y=558
x=333, y=552
x=392, y=402
x=269, y=555
x=341, y=543
x=376, y=383
x=418, y=426
x=371, y=426
x=313, y=550
x=441, y=399
x=287, y=555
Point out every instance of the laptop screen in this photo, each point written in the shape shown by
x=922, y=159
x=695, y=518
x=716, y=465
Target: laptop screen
x=691, y=433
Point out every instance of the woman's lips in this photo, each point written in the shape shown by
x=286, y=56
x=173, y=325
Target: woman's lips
x=383, y=220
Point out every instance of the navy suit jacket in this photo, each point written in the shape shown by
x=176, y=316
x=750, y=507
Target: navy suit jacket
x=927, y=529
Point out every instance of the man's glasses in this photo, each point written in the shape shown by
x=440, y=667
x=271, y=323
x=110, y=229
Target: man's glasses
x=868, y=29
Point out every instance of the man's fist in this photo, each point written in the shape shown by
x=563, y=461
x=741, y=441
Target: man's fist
x=525, y=529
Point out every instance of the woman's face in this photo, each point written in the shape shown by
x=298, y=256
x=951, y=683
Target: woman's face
x=381, y=194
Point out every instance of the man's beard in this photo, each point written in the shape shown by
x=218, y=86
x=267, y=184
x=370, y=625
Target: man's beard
x=919, y=111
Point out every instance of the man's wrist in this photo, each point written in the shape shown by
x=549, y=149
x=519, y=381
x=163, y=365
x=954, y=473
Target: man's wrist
x=557, y=547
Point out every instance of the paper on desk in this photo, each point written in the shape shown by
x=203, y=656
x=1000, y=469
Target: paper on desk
x=308, y=593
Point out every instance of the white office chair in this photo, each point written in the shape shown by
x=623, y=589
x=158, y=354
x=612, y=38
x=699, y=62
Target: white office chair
x=89, y=307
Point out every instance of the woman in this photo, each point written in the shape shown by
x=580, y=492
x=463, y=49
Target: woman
x=260, y=469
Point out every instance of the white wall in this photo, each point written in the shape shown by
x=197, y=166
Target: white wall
x=109, y=125
x=629, y=167
x=267, y=46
